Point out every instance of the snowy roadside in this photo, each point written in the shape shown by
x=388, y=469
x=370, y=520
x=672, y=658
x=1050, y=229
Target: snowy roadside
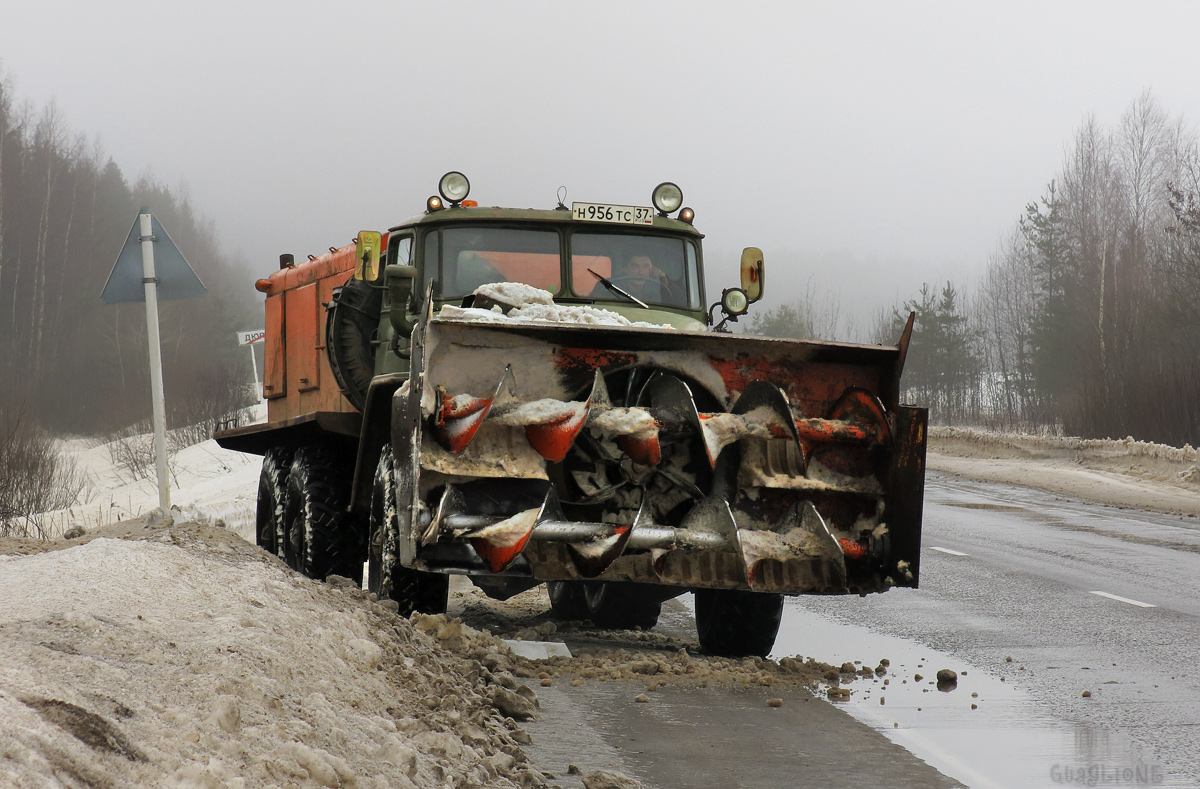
x=184, y=657
x=1120, y=473
x=208, y=484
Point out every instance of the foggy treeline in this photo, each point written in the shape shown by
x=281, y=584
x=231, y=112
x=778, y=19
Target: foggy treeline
x=71, y=364
x=1087, y=320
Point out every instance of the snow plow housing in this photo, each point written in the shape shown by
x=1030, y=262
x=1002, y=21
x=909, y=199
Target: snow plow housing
x=642, y=461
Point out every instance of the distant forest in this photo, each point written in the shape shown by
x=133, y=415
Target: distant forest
x=69, y=363
x=1087, y=321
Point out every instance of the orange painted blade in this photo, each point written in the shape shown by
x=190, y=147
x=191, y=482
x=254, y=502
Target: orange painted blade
x=499, y=557
x=500, y=544
x=459, y=419
x=552, y=440
x=643, y=450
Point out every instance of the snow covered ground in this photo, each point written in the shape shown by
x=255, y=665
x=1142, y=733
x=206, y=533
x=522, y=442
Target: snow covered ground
x=184, y=657
x=208, y=484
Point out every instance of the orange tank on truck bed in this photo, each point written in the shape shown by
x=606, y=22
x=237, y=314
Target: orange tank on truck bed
x=297, y=378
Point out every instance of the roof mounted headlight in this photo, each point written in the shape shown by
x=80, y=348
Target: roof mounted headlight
x=434, y=203
x=687, y=215
x=667, y=197
x=454, y=187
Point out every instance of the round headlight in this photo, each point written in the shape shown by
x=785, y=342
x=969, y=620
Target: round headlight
x=667, y=197
x=454, y=186
x=734, y=301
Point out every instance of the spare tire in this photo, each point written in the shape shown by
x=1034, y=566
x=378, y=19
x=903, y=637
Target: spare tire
x=351, y=330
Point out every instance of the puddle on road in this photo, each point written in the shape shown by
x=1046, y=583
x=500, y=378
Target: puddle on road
x=1006, y=741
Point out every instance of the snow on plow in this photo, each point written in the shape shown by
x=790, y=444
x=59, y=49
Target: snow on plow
x=686, y=459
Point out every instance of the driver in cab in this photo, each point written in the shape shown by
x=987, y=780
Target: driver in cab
x=638, y=275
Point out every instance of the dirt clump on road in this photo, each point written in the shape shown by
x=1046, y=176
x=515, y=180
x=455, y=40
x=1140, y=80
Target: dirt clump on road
x=650, y=658
x=653, y=668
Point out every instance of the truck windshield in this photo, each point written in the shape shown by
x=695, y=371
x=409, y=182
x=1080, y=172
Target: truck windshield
x=655, y=269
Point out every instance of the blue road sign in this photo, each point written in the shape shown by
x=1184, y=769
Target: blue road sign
x=176, y=280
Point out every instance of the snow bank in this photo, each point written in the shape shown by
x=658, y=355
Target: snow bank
x=533, y=305
x=1128, y=446
x=190, y=658
x=1117, y=472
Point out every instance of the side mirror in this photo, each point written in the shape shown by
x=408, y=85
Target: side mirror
x=752, y=273
x=366, y=255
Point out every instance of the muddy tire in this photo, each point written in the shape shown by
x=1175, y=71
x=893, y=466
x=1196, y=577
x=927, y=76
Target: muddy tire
x=619, y=606
x=566, y=600
x=272, y=501
x=412, y=590
x=733, y=623
x=320, y=537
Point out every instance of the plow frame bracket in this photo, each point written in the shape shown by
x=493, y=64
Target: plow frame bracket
x=906, y=492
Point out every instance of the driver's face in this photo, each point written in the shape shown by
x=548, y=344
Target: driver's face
x=640, y=266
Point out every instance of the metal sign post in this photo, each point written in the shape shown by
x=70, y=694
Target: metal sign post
x=170, y=277
x=159, y=410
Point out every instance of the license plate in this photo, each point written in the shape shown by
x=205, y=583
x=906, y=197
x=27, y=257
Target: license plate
x=622, y=214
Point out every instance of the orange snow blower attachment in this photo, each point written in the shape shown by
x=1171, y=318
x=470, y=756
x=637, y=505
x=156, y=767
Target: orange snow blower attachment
x=659, y=457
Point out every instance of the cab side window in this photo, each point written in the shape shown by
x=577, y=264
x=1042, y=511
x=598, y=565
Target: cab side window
x=401, y=251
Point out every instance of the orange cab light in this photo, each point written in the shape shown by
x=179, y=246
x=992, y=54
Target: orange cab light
x=469, y=204
x=262, y=285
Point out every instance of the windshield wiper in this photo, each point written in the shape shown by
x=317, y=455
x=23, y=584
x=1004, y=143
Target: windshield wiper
x=606, y=283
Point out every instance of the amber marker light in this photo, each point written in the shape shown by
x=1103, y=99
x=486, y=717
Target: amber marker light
x=687, y=215
x=434, y=203
x=262, y=285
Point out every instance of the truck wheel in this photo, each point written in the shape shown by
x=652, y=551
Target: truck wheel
x=412, y=590
x=272, y=500
x=734, y=623
x=320, y=535
x=566, y=600
x=619, y=606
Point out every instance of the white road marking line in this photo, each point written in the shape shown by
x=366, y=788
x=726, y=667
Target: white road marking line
x=947, y=550
x=1125, y=600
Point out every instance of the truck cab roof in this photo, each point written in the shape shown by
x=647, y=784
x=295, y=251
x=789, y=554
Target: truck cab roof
x=539, y=215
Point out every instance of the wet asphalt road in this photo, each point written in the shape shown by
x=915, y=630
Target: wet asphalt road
x=1080, y=597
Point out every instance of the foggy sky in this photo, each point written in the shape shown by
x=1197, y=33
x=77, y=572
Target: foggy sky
x=865, y=147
